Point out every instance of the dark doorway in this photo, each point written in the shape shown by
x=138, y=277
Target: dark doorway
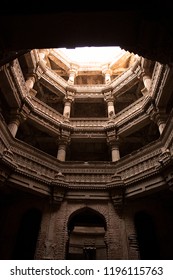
x=25, y=245
x=86, y=229
x=147, y=238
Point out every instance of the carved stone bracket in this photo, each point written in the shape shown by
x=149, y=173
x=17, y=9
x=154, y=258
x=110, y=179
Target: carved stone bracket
x=20, y=114
x=69, y=97
x=112, y=137
x=165, y=166
x=108, y=95
x=8, y=159
x=64, y=137
x=165, y=158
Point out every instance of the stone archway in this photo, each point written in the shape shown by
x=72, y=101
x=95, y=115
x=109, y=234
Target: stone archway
x=86, y=229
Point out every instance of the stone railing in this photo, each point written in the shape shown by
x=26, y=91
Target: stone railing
x=92, y=90
x=46, y=110
x=54, y=79
x=120, y=84
x=129, y=111
x=140, y=163
x=88, y=122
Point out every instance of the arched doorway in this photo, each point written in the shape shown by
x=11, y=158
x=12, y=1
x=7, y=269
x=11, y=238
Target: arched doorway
x=146, y=235
x=25, y=245
x=86, y=228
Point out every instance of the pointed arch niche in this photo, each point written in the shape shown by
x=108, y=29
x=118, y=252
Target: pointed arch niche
x=86, y=229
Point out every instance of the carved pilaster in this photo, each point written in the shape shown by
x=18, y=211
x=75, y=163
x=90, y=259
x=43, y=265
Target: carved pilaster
x=117, y=192
x=58, y=186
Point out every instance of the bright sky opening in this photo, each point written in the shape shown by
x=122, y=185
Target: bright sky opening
x=93, y=54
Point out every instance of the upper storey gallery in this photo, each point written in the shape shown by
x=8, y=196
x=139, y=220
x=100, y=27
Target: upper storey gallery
x=95, y=87
x=49, y=98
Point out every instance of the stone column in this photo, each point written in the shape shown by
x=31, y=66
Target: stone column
x=61, y=151
x=14, y=125
x=147, y=82
x=107, y=73
x=113, y=141
x=42, y=54
x=158, y=116
x=31, y=78
x=146, y=75
x=16, y=117
x=115, y=151
x=161, y=122
x=110, y=103
x=63, y=142
x=30, y=81
x=72, y=74
x=69, y=98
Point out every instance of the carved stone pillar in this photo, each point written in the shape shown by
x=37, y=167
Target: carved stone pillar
x=43, y=53
x=69, y=98
x=30, y=81
x=14, y=125
x=113, y=141
x=158, y=116
x=61, y=151
x=107, y=73
x=161, y=122
x=63, y=142
x=115, y=151
x=72, y=74
x=146, y=75
x=110, y=103
x=16, y=117
x=147, y=82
